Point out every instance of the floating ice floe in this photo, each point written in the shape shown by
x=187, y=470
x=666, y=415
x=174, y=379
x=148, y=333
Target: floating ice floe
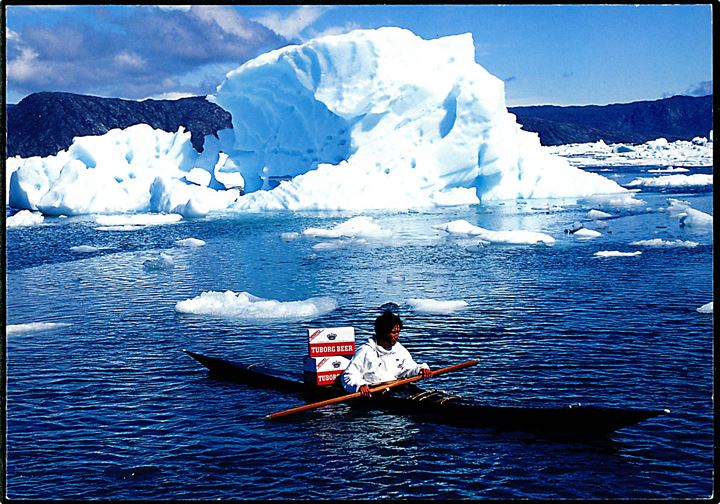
x=672, y=169
x=597, y=214
x=339, y=244
x=586, y=233
x=422, y=305
x=247, y=306
x=616, y=253
x=289, y=236
x=356, y=227
x=33, y=327
x=137, y=219
x=659, y=152
x=516, y=237
x=687, y=215
x=86, y=249
x=697, y=180
x=706, y=308
x=659, y=242
x=24, y=218
x=190, y=242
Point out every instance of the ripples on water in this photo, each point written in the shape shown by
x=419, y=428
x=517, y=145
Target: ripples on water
x=109, y=407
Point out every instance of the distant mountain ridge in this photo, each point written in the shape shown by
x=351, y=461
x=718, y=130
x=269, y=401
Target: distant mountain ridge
x=43, y=124
x=675, y=118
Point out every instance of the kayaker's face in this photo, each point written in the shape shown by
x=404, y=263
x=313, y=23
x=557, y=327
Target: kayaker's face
x=392, y=338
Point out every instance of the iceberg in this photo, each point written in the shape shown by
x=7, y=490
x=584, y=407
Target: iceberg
x=370, y=119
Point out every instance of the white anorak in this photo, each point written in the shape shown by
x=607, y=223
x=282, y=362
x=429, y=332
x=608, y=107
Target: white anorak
x=373, y=364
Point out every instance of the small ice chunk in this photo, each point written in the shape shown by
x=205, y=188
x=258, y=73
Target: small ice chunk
x=24, y=218
x=587, y=233
x=423, y=305
x=706, y=308
x=163, y=261
x=33, y=327
x=190, y=242
x=659, y=242
x=597, y=214
x=247, y=306
x=616, y=253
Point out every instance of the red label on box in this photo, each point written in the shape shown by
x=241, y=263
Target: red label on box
x=321, y=378
x=325, y=349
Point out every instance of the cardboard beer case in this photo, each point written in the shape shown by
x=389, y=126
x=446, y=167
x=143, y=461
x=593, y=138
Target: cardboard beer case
x=331, y=341
x=324, y=370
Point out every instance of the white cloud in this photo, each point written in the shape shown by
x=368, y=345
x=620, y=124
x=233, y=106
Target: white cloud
x=225, y=18
x=336, y=30
x=291, y=26
x=129, y=60
x=26, y=66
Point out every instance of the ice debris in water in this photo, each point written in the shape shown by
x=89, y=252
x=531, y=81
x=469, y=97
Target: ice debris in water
x=695, y=180
x=33, y=327
x=24, y=218
x=424, y=305
x=247, y=306
x=687, y=215
x=356, y=227
x=616, y=253
x=190, y=242
x=516, y=237
x=706, y=308
x=161, y=262
x=659, y=242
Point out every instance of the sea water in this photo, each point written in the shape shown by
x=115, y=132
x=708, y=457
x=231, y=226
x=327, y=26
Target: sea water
x=103, y=404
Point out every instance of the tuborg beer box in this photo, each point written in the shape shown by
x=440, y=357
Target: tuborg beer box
x=324, y=370
x=331, y=341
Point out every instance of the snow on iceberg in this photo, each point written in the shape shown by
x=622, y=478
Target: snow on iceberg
x=247, y=306
x=517, y=237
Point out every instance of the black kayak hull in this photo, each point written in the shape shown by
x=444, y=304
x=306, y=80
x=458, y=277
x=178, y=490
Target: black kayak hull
x=441, y=407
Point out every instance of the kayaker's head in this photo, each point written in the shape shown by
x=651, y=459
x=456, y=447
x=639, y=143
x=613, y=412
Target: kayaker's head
x=387, y=329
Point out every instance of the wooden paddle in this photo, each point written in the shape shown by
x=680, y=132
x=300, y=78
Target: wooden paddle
x=386, y=386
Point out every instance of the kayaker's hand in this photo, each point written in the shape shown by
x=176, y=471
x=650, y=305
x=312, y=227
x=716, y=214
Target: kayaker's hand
x=364, y=390
x=426, y=373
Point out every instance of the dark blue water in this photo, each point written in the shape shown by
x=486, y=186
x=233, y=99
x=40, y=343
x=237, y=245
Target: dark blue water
x=109, y=407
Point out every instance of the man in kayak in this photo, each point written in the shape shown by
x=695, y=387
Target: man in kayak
x=381, y=359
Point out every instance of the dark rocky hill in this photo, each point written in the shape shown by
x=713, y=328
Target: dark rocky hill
x=676, y=118
x=43, y=124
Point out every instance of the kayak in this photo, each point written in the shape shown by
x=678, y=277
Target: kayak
x=440, y=406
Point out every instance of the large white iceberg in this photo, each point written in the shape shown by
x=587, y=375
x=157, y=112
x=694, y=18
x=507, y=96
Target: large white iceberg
x=372, y=119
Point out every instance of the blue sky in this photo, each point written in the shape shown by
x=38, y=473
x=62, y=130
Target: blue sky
x=562, y=55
